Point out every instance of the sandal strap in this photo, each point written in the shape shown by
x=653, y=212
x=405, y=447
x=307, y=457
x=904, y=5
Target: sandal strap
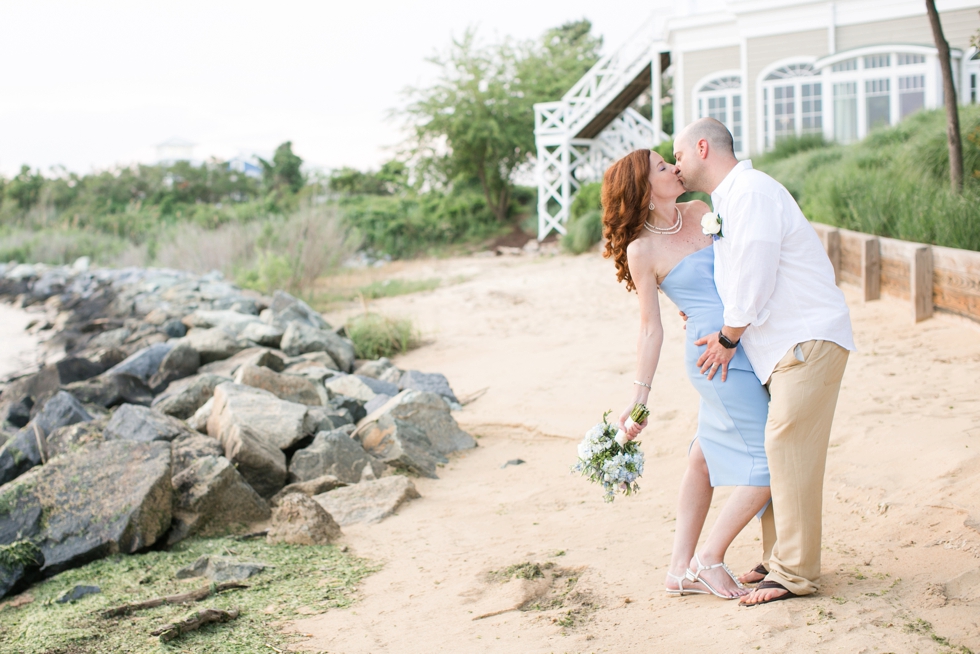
x=696, y=575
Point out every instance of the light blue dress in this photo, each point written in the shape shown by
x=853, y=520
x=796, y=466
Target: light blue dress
x=732, y=419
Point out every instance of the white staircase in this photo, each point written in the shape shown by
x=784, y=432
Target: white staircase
x=579, y=136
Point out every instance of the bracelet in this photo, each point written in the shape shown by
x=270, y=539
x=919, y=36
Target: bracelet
x=639, y=383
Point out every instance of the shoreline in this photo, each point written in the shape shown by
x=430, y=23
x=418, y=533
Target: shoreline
x=21, y=351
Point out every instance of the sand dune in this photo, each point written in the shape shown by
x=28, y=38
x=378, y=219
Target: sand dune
x=553, y=339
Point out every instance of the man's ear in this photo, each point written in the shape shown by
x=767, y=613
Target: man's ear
x=703, y=148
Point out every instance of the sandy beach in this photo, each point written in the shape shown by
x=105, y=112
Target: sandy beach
x=552, y=340
x=549, y=342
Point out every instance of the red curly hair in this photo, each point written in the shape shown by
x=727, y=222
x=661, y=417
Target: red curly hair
x=625, y=207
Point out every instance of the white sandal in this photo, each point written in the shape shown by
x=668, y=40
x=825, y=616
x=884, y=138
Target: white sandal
x=680, y=591
x=696, y=576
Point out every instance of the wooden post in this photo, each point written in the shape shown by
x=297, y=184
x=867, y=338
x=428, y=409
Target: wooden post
x=920, y=283
x=871, y=268
x=830, y=237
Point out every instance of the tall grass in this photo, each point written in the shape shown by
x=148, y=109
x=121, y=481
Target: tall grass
x=893, y=183
x=375, y=335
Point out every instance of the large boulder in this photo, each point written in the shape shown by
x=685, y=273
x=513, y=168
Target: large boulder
x=376, y=368
x=225, y=319
x=257, y=356
x=277, y=422
x=360, y=387
x=122, y=504
x=326, y=419
x=142, y=364
x=112, y=390
x=414, y=431
x=286, y=387
x=334, y=453
x=300, y=338
x=299, y=520
x=132, y=422
x=182, y=361
x=213, y=344
x=211, y=497
x=23, y=451
x=185, y=450
x=309, y=488
x=65, y=440
x=183, y=397
x=286, y=309
x=24, y=397
x=370, y=501
x=262, y=464
x=432, y=382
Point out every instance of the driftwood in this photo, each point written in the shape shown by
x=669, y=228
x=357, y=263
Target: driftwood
x=193, y=623
x=183, y=598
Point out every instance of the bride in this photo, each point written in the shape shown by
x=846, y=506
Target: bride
x=657, y=243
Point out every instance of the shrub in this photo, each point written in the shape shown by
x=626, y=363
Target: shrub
x=375, y=335
x=584, y=227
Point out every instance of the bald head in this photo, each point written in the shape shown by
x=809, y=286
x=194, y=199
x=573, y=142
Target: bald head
x=705, y=155
x=714, y=132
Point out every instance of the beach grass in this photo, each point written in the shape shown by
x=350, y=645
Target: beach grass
x=302, y=580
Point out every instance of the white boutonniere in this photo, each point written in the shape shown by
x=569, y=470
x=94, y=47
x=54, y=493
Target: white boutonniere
x=711, y=225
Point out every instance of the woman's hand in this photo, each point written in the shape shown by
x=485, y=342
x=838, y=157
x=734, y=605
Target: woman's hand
x=635, y=430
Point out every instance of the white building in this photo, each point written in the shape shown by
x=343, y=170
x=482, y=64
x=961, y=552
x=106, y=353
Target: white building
x=765, y=68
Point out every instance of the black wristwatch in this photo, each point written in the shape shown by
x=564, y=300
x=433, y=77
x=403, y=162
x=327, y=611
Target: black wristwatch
x=725, y=341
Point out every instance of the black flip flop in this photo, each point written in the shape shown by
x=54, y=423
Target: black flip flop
x=764, y=584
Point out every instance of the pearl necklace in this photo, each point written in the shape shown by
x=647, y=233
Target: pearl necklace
x=666, y=231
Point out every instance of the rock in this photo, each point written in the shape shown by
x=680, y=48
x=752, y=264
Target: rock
x=212, y=498
x=376, y=403
x=277, y=422
x=334, y=453
x=286, y=309
x=370, y=501
x=257, y=356
x=308, y=488
x=391, y=375
x=24, y=397
x=77, y=593
x=213, y=344
x=413, y=431
x=300, y=339
x=261, y=333
x=186, y=449
x=297, y=364
x=64, y=440
x=132, y=422
x=221, y=568
x=285, y=387
x=359, y=387
x=298, y=520
x=20, y=563
x=111, y=390
x=326, y=419
x=262, y=464
x=374, y=369
x=22, y=452
x=182, y=361
x=199, y=421
x=174, y=328
x=431, y=382
x=122, y=504
x=184, y=397
x=354, y=406
x=228, y=320
x=143, y=364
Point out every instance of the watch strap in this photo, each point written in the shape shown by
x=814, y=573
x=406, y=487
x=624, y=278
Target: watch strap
x=727, y=342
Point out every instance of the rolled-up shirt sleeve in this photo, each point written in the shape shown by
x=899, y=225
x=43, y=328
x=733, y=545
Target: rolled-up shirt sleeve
x=753, y=257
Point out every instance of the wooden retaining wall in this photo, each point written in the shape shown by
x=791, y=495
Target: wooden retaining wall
x=927, y=276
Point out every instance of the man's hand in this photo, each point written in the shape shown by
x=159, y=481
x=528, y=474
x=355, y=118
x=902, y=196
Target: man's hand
x=715, y=356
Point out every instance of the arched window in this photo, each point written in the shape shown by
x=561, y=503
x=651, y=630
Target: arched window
x=721, y=98
x=971, y=78
x=792, y=103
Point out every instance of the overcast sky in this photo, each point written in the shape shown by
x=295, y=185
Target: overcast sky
x=89, y=84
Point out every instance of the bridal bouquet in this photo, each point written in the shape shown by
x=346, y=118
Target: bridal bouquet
x=607, y=458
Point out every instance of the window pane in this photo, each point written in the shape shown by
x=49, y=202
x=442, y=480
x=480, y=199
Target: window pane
x=765, y=117
x=736, y=125
x=910, y=59
x=811, y=108
x=845, y=112
x=877, y=61
x=717, y=109
x=784, y=111
x=877, y=102
x=911, y=94
x=849, y=64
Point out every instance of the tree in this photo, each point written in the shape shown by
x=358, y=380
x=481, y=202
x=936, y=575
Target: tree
x=949, y=95
x=284, y=172
x=476, y=122
x=25, y=187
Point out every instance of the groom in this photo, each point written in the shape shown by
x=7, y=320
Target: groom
x=783, y=306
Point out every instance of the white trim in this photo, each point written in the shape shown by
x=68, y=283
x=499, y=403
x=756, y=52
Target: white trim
x=740, y=91
x=928, y=50
x=746, y=121
x=832, y=27
x=679, y=94
x=731, y=72
x=760, y=138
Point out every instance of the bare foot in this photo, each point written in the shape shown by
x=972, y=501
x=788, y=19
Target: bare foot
x=753, y=576
x=720, y=580
x=764, y=596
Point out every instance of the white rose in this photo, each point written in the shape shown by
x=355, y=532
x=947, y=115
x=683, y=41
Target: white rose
x=710, y=223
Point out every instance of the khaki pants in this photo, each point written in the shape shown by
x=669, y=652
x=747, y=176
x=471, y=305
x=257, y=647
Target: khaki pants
x=801, y=412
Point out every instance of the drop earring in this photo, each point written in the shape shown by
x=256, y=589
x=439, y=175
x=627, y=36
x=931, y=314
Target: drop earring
x=652, y=207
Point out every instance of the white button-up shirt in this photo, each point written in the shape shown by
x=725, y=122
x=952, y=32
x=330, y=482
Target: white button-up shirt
x=772, y=272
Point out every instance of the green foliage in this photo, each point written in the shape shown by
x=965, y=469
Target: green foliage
x=787, y=147
x=284, y=171
x=894, y=183
x=666, y=150
x=392, y=178
x=375, y=335
x=25, y=188
x=587, y=200
x=300, y=578
x=584, y=228
x=20, y=553
x=476, y=122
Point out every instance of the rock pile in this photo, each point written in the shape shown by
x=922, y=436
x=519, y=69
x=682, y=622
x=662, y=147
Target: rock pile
x=174, y=405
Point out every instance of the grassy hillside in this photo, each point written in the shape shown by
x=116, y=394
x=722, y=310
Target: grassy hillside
x=893, y=183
